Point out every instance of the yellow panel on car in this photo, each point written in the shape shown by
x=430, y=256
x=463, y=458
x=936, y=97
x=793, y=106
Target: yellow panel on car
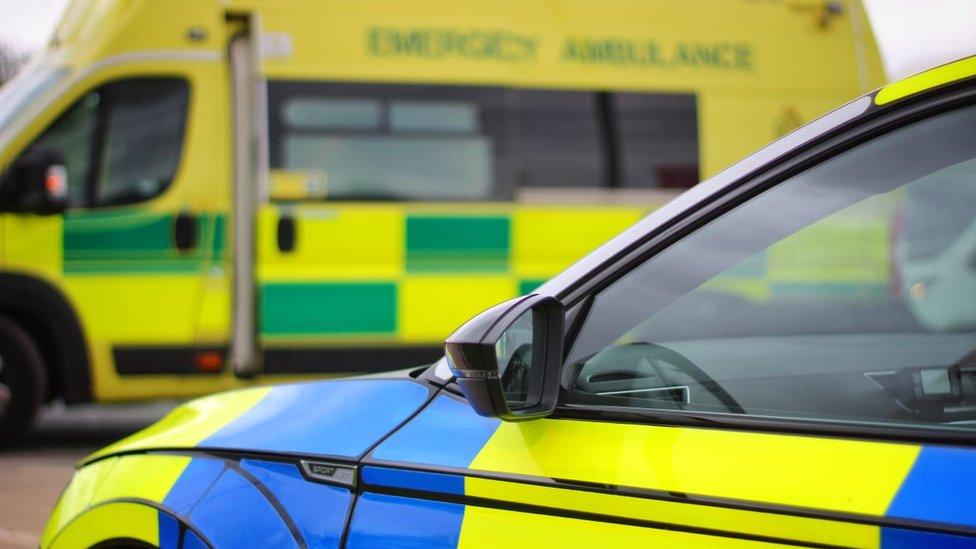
x=820, y=473
x=113, y=521
x=922, y=81
x=76, y=497
x=190, y=423
x=128, y=479
x=688, y=513
x=515, y=529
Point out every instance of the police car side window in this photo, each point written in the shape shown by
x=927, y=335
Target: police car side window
x=843, y=294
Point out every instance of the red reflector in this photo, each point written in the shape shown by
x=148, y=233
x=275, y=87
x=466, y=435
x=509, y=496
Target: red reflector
x=52, y=183
x=209, y=361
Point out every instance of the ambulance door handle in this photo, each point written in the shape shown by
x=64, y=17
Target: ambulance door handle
x=286, y=232
x=185, y=231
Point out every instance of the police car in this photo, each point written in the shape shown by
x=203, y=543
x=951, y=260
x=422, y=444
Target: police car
x=783, y=355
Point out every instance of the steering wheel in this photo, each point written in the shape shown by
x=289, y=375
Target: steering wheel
x=621, y=379
x=514, y=375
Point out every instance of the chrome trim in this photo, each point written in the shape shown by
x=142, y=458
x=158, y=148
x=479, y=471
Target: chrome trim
x=475, y=374
x=685, y=390
x=243, y=353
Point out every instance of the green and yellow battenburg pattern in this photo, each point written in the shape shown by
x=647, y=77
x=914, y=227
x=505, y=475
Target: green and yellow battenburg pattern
x=412, y=274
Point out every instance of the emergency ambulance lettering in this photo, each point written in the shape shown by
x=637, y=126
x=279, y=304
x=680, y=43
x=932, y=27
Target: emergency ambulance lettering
x=651, y=53
x=494, y=45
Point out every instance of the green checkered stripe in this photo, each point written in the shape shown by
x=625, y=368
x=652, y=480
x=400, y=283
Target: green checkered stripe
x=136, y=243
x=435, y=244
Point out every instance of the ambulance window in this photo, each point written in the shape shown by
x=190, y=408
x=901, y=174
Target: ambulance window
x=71, y=135
x=657, y=136
x=333, y=113
x=421, y=142
x=557, y=139
x=143, y=122
x=440, y=116
x=372, y=142
x=121, y=142
x=604, y=139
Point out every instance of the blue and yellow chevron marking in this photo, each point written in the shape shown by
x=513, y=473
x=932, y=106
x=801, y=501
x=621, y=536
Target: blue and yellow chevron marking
x=486, y=458
x=338, y=418
x=115, y=498
x=228, y=503
x=544, y=482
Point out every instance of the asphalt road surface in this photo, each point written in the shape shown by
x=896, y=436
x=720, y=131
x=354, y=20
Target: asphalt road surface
x=35, y=469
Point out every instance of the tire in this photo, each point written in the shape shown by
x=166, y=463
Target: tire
x=23, y=380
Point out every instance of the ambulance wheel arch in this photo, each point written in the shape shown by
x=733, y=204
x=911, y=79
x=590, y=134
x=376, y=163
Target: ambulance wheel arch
x=48, y=319
x=22, y=379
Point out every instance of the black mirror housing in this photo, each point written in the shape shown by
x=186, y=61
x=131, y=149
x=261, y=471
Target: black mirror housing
x=36, y=183
x=507, y=359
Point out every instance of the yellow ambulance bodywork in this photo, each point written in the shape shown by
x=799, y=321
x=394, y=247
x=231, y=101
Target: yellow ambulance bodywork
x=382, y=274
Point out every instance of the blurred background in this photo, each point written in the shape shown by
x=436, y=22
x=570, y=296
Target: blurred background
x=245, y=194
x=911, y=35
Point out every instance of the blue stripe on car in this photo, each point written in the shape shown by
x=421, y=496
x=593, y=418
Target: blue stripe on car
x=895, y=538
x=334, y=418
x=169, y=531
x=446, y=433
x=380, y=520
x=935, y=488
x=198, y=476
x=193, y=541
x=318, y=510
x=234, y=513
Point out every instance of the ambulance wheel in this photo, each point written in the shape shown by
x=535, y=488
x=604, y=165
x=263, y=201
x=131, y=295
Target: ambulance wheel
x=22, y=380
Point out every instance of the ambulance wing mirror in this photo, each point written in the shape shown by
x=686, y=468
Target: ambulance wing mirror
x=297, y=186
x=36, y=183
x=507, y=359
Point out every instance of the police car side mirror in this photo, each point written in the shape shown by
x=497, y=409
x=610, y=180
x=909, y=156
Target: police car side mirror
x=36, y=183
x=507, y=359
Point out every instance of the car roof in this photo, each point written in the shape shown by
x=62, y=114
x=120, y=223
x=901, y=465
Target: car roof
x=843, y=116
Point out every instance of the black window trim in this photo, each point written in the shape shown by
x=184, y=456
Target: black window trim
x=860, y=129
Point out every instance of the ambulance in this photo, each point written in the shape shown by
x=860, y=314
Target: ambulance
x=199, y=194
